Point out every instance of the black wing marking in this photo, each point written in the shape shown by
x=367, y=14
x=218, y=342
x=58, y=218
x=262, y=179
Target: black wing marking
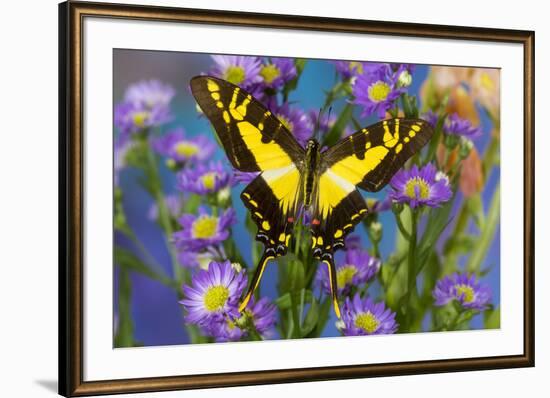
x=253, y=139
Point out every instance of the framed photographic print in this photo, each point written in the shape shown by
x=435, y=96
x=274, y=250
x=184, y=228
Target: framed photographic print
x=254, y=207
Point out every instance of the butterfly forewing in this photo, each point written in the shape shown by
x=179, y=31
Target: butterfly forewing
x=370, y=157
x=253, y=139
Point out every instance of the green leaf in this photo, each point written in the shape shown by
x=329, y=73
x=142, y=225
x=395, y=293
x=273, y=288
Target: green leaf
x=324, y=315
x=491, y=319
x=296, y=275
x=487, y=234
x=474, y=204
x=438, y=220
x=312, y=318
x=460, y=244
x=192, y=203
x=130, y=262
x=284, y=301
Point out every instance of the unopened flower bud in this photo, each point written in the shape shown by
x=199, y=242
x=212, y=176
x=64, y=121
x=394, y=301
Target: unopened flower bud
x=404, y=79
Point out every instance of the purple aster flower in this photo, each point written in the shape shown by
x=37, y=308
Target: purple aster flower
x=353, y=242
x=296, y=121
x=243, y=71
x=150, y=94
x=180, y=149
x=463, y=288
x=146, y=104
x=213, y=294
x=204, y=179
x=349, y=69
x=244, y=177
x=417, y=187
x=462, y=127
x=191, y=259
x=376, y=90
x=132, y=117
x=358, y=268
x=364, y=317
x=278, y=72
x=431, y=117
x=379, y=206
x=174, y=203
x=454, y=125
x=203, y=230
x=261, y=315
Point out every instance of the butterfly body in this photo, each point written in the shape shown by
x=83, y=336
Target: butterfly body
x=311, y=171
x=293, y=179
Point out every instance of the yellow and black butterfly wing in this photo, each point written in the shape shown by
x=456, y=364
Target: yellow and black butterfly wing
x=370, y=157
x=254, y=140
x=367, y=159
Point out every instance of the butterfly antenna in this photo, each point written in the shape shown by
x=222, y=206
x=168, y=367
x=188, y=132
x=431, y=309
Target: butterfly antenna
x=317, y=124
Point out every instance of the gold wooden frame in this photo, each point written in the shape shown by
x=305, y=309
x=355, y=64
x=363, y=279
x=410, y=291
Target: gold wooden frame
x=71, y=16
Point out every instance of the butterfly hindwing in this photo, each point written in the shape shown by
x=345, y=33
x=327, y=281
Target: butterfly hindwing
x=253, y=139
x=371, y=156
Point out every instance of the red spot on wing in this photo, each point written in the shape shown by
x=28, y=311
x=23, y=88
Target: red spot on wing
x=290, y=219
x=315, y=222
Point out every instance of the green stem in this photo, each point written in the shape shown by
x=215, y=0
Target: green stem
x=486, y=237
x=455, y=321
x=254, y=335
x=298, y=241
x=124, y=337
x=295, y=316
x=164, y=215
x=411, y=269
x=143, y=250
x=490, y=157
x=401, y=227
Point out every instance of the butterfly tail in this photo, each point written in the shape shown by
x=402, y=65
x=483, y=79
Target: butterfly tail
x=328, y=259
x=269, y=254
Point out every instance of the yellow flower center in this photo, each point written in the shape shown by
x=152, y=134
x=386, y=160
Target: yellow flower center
x=487, y=82
x=205, y=227
x=215, y=298
x=185, y=148
x=209, y=179
x=287, y=123
x=270, y=73
x=358, y=66
x=367, y=322
x=417, y=184
x=466, y=292
x=379, y=91
x=345, y=275
x=230, y=324
x=139, y=118
x=234, y=74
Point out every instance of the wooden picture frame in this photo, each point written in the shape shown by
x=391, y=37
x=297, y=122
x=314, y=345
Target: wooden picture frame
x=72, y=207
